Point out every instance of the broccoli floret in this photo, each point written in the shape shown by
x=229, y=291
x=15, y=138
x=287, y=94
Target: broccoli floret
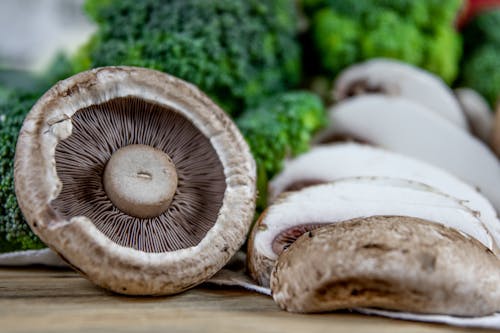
x=380, y=39
x=15, y=233
x=237, y=51
x=481, y=63
x=417, y=32
x=279, y=127
x=337, y=50
x=484, y=29
x=482, y=72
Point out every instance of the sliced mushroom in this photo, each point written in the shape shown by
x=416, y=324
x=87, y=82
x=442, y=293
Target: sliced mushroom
x=477, y=111
x=342, y=160
x=396, y=78
x=411, y=129
x=397, y=263
x=136, y=178
x=295, y=213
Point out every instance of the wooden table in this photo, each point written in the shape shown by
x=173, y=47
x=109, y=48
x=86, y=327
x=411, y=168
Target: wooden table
x=43, y=300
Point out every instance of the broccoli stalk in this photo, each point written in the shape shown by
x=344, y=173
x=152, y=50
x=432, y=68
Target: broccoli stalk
x=237, y=51
x=279, y=127
x=417, y=32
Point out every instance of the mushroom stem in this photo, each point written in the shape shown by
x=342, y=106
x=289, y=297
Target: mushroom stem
x=140, y=180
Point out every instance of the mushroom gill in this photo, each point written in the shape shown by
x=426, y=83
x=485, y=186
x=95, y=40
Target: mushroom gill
x=101, y=130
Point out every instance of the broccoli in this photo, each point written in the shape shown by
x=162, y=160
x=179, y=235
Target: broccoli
x=483, y=29
x=417, y=32
x=482, y=72
x=237, y=51
x=278, y=127
x=15, y=233
x=16, y=99
x=481, y=63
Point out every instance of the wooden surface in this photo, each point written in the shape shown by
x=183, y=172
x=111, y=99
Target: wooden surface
x=43, y=300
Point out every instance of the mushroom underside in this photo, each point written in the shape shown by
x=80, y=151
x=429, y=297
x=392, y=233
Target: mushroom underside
x=103, y=129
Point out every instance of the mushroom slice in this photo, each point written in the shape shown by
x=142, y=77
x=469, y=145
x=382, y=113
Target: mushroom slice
x=295, y=213
x=136, y=178
x=397, y=263
x=477, y=111
x=408, y=128
x=342, y=160
x=396, y=78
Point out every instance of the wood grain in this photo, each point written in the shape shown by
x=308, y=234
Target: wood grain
x=45, y=300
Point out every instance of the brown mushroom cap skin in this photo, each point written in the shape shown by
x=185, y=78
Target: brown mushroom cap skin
x=396, y=263
x=108, y=264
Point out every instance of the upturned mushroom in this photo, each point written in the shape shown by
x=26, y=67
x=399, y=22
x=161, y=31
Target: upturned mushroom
x=408, y=128
x=327, y=163
x=295, y=213
x=135, y=178
x=396, y=263
x=396, y=78
x=477, y=111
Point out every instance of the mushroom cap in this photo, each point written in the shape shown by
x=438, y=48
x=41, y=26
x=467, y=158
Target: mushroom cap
x=327, y=163
x=121, y=268
x=408, y=128
x=397, y=263
x=297, y=212
x=397, y=78
x=477, y=112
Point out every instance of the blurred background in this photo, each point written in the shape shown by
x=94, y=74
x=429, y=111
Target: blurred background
x=33, y=31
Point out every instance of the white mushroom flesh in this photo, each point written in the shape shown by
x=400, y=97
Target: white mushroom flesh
x=397, y=78
x=364, y=197
x=405, y=127
x=342, y=160
x=477, y=111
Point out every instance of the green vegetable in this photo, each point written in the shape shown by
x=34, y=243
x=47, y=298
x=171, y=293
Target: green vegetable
x=16, y=99
x=15, y=233
x=481, y=64
x=484, y=29
x=482, y=72
x=237, y=51
x=418, y=32
x=279, y=127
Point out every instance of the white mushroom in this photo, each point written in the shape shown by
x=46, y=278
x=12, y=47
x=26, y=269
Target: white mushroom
x=477, y=111
x=136, y=178
x=396, y=78
x=297, y=212
x=342, y=160
x=396, y=263
x=408, y=128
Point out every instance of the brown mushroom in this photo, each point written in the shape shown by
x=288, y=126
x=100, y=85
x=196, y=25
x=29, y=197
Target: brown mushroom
x=397, y=263
x=136, y=178
x=296, y=213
